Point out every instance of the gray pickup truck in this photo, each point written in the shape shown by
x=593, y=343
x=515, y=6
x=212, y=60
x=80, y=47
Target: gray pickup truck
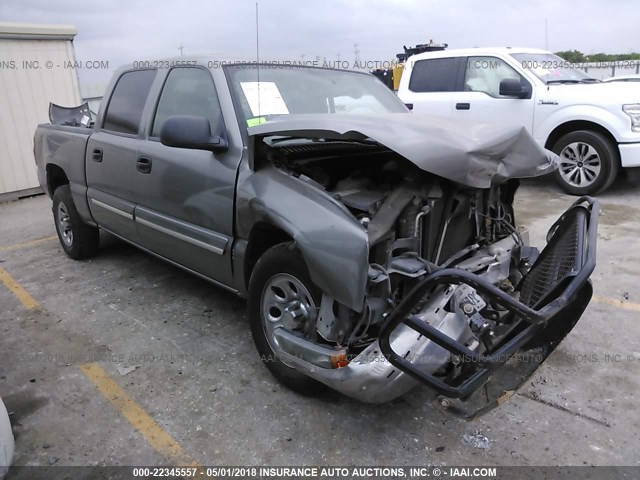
x=377, y=248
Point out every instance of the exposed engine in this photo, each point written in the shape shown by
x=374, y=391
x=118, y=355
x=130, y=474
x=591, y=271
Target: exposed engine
x=417, y=223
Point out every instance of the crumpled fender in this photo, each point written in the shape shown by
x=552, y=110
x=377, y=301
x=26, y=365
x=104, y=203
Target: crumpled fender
x=334, y=245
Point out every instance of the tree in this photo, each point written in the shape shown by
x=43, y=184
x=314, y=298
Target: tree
x=573, y=56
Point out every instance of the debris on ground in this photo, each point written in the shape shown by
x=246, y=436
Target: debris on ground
x=476, y=440
x=127, y=369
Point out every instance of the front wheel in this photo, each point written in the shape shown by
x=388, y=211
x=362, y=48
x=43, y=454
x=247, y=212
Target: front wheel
x=78, y=239
x=281, y=295
x=589, y=162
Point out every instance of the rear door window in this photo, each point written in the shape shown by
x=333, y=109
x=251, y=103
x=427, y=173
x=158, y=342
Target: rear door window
x=435, y=75
x=124, y=112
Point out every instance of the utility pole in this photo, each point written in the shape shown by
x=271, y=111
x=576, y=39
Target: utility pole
x=181, y=48
x=546, y=35
x=356, y=53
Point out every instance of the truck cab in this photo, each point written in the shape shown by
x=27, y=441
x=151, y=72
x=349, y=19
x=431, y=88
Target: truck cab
x=593, y=126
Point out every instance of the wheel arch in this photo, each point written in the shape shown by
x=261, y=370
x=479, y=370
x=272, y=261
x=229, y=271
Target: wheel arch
x=576, y=125
x=56, y=177
x=262, y=237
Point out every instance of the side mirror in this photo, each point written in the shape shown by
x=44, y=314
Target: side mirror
x=513, y=87
x=187, y=131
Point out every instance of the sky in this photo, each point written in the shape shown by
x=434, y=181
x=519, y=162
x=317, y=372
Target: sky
x=125, y=31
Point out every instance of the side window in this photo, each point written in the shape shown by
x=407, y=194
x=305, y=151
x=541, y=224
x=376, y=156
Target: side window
x=484, y=74
x=188, y=91
x=127, y=101
x=434, y=75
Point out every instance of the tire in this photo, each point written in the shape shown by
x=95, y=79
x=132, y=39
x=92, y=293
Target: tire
x=78, y=239
x=281, y=260
x=589, y=162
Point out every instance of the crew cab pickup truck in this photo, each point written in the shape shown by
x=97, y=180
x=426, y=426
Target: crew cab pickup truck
x=377, y=249
x=593, y=126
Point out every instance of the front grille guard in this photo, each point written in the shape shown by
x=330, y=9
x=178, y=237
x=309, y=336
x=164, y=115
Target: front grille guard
x=558, y=274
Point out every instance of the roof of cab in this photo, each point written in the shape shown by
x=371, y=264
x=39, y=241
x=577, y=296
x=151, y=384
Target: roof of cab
x=463, y=52
x=215, y=62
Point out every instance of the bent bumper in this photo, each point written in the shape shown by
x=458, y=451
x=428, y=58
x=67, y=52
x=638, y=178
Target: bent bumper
x=553, y=296
x=554, y=293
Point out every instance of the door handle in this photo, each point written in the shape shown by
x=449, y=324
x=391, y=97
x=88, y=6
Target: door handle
x=96, y=156
x=463, y=106
x=143, y=165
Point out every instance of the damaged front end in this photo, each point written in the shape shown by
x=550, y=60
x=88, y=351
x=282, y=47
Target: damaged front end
x=453, y=296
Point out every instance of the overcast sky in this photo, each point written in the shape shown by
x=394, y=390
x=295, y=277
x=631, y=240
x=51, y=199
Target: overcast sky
x=124, y=31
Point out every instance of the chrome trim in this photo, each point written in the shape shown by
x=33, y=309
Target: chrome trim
x=175, y=264
x=180, y=236
x=115, y=210
x=300, y=347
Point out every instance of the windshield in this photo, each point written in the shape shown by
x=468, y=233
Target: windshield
x=284, y=90
x=551, y=68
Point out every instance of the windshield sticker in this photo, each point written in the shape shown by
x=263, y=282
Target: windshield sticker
x=252, y=122
x=264, y=98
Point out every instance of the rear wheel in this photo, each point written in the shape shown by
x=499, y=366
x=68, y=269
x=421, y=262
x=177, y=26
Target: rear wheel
x=282, y=295
x=589, y=162
x=78, y=239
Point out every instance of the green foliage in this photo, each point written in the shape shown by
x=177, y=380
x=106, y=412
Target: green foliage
x=575, y=56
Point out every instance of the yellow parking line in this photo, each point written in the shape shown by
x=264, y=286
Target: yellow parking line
x=14, y=287
x=28, y=244
x=157, y=437
x=634, y=307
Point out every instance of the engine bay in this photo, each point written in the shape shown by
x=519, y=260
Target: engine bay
x=418, y=226
x=416, y=222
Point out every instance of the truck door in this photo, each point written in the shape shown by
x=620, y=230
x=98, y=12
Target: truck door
x=112, y=153
x=480, y=99
x=186, y=203
x=429, y=85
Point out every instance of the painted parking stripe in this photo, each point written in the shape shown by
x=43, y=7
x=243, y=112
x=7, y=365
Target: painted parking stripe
x=30, y=243
x=18, y=290
x=157, y=437
x=634, y=307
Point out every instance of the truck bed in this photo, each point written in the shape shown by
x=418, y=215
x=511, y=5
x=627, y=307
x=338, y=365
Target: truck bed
x=63, y=149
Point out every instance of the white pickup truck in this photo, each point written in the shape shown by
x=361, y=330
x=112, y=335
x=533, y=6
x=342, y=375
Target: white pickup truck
x=593, y=126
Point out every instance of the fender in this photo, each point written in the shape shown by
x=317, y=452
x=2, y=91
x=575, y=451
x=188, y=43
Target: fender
x=64, y=147
x=333, y=244
x=585, y=113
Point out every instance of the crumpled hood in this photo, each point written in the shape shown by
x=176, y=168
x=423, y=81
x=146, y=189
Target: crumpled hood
x=474, y=154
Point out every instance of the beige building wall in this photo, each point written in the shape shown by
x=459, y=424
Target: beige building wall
x=35, y=69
